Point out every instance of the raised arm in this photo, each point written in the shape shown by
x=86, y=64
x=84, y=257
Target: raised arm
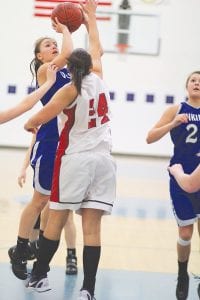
x=67, y=44
x=188, y=182
x=168, y=120
x=66, y=49
x=95, y=48
x=30, y=100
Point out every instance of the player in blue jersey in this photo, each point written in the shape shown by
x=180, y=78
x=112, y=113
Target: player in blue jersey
x=46, y=139
x=183, y=123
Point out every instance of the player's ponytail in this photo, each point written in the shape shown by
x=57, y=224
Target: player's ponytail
x=34, y=66
x=79, y=64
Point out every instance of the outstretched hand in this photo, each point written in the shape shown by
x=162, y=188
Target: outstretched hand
x=57, y=26
x=88, y=8
x=51, y=72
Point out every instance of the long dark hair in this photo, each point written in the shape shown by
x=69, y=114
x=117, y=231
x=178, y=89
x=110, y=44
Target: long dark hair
x=79, y=64
x=36, y=63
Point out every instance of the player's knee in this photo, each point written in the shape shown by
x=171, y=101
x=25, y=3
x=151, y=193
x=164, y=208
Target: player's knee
x=40, y=202
x=91, y=233
x=185, y=233
x=40, y=205
x=58, y=218
x=184, y=242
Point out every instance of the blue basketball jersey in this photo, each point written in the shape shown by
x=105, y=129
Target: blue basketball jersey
x=49, y=131
x=186, y=139
x=44, y=150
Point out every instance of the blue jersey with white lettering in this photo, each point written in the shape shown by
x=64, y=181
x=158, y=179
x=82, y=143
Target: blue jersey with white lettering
x=50, y=130
x=44, y=150
x=186, y=139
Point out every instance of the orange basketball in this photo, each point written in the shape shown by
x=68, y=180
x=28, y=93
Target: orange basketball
x=69, y=14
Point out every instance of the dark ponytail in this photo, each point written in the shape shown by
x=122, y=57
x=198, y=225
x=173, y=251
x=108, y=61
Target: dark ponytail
x=79, y=65
x=34, y=66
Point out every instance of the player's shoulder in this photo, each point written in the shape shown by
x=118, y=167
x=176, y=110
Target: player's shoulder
x=41, y=73
x=173, y=108
x=42, y=68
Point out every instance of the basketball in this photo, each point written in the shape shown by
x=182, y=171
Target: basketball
x=69, y=14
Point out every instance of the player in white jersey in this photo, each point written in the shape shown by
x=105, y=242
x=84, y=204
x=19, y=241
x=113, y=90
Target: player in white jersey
x=85, y=138
x=84, y=173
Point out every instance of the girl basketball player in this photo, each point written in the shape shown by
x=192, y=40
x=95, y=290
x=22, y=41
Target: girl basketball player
x=85, y=173
x=183, y=123
x=45, y=145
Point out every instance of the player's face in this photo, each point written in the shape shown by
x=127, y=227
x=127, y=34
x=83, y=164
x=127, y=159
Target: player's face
x=48, y=50
x=193, y=86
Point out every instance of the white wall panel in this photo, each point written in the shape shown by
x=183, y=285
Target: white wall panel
x=158, y=75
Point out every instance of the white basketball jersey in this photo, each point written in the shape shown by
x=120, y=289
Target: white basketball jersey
x=88, y=123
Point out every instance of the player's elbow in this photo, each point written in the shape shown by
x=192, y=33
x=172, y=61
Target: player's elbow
x=101, y=51
x=152, y=137
x=191, y=188
x=149, y=139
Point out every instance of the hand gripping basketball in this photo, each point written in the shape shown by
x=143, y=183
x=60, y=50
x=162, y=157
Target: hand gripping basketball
x=69, y=14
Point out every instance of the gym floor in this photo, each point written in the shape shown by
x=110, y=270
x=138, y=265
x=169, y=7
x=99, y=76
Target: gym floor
x=138, y=258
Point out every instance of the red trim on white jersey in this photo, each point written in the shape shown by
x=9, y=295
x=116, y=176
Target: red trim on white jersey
x=63, y=144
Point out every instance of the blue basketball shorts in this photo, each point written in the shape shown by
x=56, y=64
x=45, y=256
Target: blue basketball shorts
x=186, y=206
x=42, y=161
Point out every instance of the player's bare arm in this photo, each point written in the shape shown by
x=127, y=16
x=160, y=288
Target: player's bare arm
x=62, y=99
x=188, y=182
x=61, y=59
x=95, y=48
x=29, y=101
x=168, y=120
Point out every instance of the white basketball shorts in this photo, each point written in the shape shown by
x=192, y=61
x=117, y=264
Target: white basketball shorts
x=86, y=180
